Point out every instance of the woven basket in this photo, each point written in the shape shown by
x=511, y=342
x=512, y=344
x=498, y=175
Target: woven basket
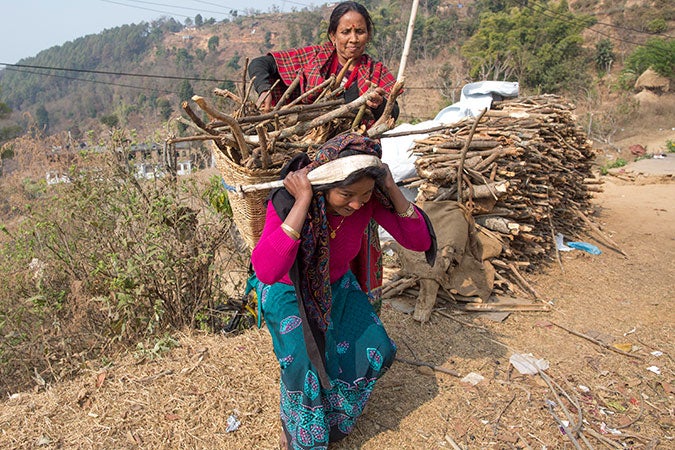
x=248, y=209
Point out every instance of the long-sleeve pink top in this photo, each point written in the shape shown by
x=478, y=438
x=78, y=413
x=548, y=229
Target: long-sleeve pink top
x=273, y=256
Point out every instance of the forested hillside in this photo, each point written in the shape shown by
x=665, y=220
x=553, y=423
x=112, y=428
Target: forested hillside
x=136, y=75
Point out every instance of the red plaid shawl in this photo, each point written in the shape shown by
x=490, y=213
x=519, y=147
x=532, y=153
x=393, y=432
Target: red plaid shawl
x=313, y=62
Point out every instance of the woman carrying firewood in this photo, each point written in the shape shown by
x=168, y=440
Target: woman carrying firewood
x=350, y=29
x=329, y=342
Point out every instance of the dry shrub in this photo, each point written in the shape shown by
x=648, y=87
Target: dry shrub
x=102, y=257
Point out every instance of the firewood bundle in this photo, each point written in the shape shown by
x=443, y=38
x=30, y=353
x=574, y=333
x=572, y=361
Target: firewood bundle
x=256, y=140
x=523, y=170
x=252, y=146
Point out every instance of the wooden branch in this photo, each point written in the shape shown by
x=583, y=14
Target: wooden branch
x=426, y=364
x=243, y=151
x=196, y=119
x=498, y=307
x=522, y=280
x=301, y=127
x=389, y=106
x=460, y=167
x=227, y=94
x=310, y=92
x=596, y=342
x=607, y=241
x=287, y=93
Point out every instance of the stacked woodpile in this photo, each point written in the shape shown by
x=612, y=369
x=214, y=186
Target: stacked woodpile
x=526, y=173
x=520, y=173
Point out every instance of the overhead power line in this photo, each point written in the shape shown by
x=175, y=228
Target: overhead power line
x=125, y=74
x=144, y=88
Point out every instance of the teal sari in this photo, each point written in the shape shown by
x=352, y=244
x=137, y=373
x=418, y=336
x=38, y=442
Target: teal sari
x=357, y=352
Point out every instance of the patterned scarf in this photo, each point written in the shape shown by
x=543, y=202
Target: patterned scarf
x=313, y=254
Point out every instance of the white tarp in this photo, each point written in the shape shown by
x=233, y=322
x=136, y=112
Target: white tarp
x=474, y=98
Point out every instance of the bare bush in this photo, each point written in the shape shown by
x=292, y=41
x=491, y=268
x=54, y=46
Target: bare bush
x=101, y=256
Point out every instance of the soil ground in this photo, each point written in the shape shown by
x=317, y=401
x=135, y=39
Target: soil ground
x=608, y=341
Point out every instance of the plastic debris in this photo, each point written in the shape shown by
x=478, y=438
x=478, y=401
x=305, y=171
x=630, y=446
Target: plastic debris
x=654, y=369
x=527, y=364
x=232, y=423
x=657, y=353
x=583, y=388
x=623, y=346
x=585, y=246
x=560, y=245
x=604, y=429
x=473, y=378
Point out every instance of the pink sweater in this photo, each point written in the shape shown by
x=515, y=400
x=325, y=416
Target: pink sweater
x=275, y=253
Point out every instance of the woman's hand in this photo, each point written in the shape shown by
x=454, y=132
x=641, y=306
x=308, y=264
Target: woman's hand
x=298, y=185
x=389, y=183
x=398, y=200
x=264, y=102
x=377, y=98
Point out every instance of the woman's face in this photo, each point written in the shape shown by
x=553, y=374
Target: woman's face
x=351, y=36
x=347, y=199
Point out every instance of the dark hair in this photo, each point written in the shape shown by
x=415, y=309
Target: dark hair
x=343, y=8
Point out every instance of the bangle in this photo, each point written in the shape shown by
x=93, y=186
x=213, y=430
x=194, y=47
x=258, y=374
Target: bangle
x=408, y=212
x=290, y=230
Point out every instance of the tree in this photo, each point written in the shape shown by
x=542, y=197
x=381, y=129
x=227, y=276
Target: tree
x=165, y=108
x=42, y=119
x=185, y=91
x=110, y=120
x=199, y=20
x=657, y=53
x=539, y=47
x=214, y=42
x=5, y=111
x=604, y=56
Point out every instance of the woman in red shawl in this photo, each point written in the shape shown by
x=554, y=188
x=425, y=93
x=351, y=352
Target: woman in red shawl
x=349, y=30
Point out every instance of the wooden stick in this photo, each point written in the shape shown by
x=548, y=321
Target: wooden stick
x=287, y=93
x=596, y=342
x=231, y=121
x=460, y=167
x=452, y=442
x=613, y=245
x=227, y=94
x=602, y=438
x=310, y=92
x=426, y=364
x=496, y=307
x=522, y=281
x=389, y=106
x=302, y=127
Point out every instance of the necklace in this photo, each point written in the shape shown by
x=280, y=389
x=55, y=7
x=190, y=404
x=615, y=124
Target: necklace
x=334, y=230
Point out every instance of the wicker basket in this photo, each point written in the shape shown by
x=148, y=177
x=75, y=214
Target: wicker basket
x=248, y=209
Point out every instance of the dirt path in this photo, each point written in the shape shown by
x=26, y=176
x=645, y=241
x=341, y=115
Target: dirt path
x=614, y=299
x=183, y=400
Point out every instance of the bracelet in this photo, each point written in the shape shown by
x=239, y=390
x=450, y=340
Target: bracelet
x=290, y=230
x=408, y=212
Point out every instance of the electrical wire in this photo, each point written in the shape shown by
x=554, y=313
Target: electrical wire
x=119, y=74
x=144, y=88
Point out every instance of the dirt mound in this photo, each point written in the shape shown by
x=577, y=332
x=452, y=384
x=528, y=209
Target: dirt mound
x=653, y=81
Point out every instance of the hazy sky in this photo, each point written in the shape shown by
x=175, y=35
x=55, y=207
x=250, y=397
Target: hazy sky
x=30, y=26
